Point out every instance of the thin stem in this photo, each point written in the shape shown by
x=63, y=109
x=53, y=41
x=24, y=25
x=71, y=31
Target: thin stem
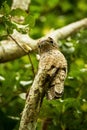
x=26, y=51
x=18, y=44
x=31, y=64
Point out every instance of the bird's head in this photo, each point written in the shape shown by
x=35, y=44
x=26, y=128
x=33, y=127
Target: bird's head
x=46, y=45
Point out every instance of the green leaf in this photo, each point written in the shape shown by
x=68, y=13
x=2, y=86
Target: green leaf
x=71, y=103
x=5, y=9
x=3, y=31
x=30, y=20
x=18, y=12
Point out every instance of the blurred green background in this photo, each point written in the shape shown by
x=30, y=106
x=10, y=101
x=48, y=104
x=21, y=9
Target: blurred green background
x=69, y=112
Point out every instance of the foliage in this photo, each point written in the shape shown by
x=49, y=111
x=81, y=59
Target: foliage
x=68, y=113
x=10, y=19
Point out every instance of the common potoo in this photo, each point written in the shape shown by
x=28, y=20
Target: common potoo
x=54, y=66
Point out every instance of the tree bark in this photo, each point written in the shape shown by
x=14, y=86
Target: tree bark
x=22, y=4
x=33, y=103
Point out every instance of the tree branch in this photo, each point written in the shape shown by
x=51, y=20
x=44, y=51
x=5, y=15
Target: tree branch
x=33, y=103
x=22, y=4
x=66, y=31
x=10, y=51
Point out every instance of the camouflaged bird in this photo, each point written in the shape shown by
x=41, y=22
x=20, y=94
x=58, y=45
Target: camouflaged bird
x=54, y=66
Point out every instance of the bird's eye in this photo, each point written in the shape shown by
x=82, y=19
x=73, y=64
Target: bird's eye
x=51, y=41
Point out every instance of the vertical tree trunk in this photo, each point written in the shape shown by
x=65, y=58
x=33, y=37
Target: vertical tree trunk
x=33, y=103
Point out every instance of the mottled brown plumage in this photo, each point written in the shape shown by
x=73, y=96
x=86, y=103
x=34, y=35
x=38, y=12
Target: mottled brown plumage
x=53, y=64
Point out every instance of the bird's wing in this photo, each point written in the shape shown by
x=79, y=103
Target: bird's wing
x=57, y=84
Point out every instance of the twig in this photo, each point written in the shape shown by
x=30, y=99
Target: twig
x=31, y=64
x=26, y=51
x=18, y=44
